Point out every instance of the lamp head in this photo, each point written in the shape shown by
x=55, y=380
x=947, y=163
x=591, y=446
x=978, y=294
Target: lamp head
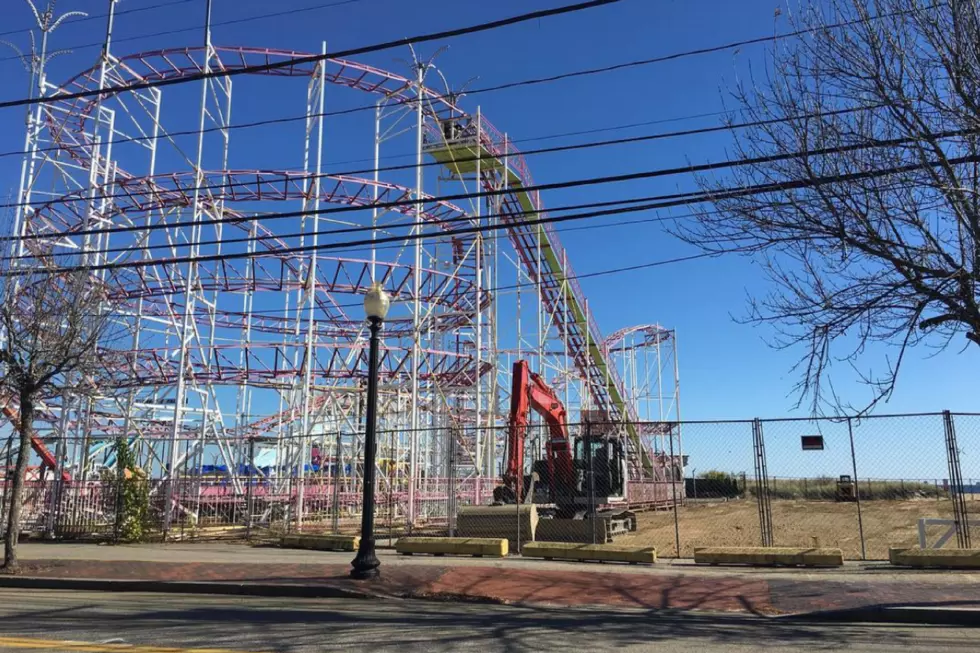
x=376, y=302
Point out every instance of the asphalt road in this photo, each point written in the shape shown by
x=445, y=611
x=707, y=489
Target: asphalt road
x=169, y=623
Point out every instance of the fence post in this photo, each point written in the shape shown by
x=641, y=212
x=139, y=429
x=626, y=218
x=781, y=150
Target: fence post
x=338, y=462
x=857, y=488
x=451, y=481
x=762, y=483
x=392, y=475
x=591, y=486
x=249, y=504
x=3, y=488
x=960, y=516
x=167, y=490
x=673, y=485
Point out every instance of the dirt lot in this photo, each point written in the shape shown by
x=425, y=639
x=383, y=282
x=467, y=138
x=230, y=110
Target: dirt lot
x=795, y=523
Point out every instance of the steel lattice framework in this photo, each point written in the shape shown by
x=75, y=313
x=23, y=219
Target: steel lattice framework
x=261, y=337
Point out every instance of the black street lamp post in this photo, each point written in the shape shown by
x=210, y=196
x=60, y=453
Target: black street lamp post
x=365, y=564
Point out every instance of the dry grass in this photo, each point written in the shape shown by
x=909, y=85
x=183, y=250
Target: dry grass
x=795, y=523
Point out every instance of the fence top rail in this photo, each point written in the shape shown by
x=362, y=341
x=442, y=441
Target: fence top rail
x=854, y=419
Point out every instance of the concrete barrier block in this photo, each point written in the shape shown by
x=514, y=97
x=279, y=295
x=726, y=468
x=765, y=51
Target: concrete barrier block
x=590, y=552
x=940, y=558
x=488, y=547
x=769, y=556
x=322, y=542
x=895, y=553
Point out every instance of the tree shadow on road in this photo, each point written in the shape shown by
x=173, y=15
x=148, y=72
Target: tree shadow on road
x=292, y=626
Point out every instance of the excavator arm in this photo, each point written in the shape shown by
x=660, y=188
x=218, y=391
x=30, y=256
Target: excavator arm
x=530, y=392
x=47, y=458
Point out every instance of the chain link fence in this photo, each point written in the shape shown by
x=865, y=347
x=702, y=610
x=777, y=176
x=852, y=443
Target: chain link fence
x=859, y=484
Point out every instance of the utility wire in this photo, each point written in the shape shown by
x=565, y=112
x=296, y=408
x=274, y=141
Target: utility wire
x=265, y=238
x=275, y=312
x=503, y=156
x=298, y=61
x=341, y=112
x=345, y=230
x=434, y=96
x=331, y=246
x=183, y=30
x=83, y=19
x=684, y=200
x=588, y=181
x=689, y=53
x=508, y=85
x=270, y=121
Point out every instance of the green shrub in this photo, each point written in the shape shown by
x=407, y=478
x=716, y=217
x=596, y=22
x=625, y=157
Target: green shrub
x=133, y=499
x=715, y=475
x=825, y=488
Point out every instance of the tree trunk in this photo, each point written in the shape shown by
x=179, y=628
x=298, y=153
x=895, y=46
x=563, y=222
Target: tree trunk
x=17, y=490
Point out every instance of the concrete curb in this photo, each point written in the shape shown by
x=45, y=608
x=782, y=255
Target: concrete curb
x=883, y=614
x=224, y=588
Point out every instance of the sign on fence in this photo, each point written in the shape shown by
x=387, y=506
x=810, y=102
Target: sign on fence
x=812, y=442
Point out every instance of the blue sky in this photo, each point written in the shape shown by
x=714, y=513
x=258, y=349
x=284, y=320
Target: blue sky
x=727, y=370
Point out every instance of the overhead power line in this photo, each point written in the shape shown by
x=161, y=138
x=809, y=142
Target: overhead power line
x=84, y=19
x=491, y=289
x=527, y=82
x=515, y=84
x=330, y=246
x=471, y=159
x=348, y=230
x=733, y=45
x=297, y=61
x=588, y=181
x=165, y=135
x=684, y=199
x=184, y=30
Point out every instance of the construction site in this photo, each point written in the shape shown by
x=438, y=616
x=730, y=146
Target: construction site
x=239, y=285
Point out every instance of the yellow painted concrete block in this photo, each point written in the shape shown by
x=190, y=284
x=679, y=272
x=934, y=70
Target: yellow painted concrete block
x=322, y=542
x=598, y=552
x=942, y=558
x=769, y=556
x=489, y=547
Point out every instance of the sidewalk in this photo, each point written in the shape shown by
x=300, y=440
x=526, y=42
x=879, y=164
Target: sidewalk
x=238, y=569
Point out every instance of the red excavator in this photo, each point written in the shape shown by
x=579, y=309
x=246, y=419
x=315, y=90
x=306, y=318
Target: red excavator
x=585, y=478
x=530, y=392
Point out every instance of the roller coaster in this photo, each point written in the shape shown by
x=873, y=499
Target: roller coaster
x=239, y=287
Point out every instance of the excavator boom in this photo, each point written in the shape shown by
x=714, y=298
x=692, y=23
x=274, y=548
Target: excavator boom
x=530, y=392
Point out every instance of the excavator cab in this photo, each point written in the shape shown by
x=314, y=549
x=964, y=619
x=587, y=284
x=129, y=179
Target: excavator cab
x=600, y=468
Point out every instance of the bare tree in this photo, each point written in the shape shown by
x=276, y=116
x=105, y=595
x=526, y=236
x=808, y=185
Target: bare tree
x=55, y=327
x=858, y=187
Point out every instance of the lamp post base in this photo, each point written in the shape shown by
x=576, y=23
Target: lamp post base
x=365, y=564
